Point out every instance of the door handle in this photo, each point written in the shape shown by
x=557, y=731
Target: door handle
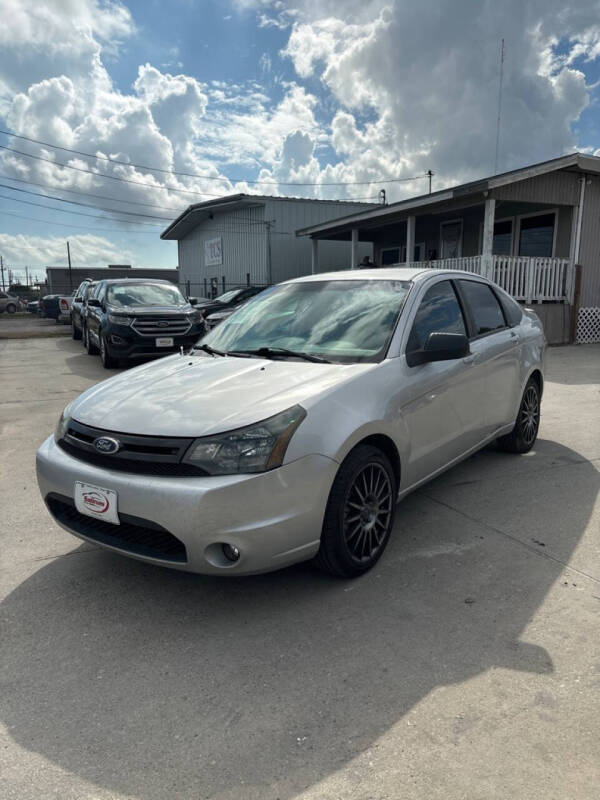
x=515, y=336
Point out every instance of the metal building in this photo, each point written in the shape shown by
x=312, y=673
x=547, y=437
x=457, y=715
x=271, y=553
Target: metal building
x=61, y=280
x=252, y=239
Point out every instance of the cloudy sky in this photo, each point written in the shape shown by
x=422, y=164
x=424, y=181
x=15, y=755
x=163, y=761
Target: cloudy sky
x=168, y=104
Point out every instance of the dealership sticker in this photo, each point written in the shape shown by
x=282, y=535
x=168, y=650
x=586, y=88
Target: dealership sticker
x=94, y=501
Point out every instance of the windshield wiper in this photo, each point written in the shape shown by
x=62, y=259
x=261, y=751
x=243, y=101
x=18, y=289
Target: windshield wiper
x=269, y=352
x=208, y=349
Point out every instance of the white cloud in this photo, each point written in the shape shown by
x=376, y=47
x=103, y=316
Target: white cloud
x=39, y=251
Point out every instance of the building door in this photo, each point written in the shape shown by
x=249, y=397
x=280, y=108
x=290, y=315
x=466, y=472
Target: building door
x=451, y=239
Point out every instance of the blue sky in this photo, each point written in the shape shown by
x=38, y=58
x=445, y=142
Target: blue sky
x=282, y=91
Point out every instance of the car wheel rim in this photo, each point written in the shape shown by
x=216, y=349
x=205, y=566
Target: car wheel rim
x=530, y=415
x=367, y=512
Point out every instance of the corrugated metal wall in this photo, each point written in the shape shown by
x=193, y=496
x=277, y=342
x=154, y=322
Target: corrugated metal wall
x=244, y=244
x=268, y=256
x=589, y=251
x=292, y=256
x=561, y=188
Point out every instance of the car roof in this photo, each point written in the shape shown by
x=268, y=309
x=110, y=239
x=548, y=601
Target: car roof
x=112, y=281
x=381, y=273
x=415, y=275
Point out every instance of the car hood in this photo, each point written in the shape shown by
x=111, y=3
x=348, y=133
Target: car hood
x=199, y=395
x=140, y=311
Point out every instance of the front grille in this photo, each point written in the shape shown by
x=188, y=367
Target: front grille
x=161, y=326
x=134, y=535
x=141, y=455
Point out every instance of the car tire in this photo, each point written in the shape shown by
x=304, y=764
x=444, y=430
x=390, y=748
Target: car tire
x=108, y=362
x=91, y=348
x=522, y=437
x=11, y=308
x=75, y=332
x=360, y=514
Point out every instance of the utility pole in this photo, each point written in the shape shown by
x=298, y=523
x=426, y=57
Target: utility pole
x=499, y=107
x=26, y=277
x=2, y=270
x=430, y=175
x=70, y=276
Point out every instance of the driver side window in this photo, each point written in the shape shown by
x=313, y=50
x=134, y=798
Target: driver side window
x=439, y=312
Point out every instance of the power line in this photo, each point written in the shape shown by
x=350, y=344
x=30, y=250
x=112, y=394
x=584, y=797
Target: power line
x=85, y=205
x=89, y=194
x=79, y=213
x=79, y=227
x=108, y=177
x=207, y=177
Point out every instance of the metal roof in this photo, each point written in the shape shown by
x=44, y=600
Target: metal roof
x=198, y=212
x=575, y=161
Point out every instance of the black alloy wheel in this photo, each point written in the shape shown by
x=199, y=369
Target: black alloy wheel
x=359, y=515
x=522, y=437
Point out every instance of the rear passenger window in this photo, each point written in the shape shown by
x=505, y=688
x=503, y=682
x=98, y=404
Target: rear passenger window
x=485, y=308
x=512, y=310
x=439, y=312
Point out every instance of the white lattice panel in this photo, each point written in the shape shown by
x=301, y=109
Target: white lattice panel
x=588, y=325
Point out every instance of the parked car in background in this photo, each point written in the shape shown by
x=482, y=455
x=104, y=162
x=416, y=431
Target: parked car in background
x=129, y=319
x=294, y=427
x=214, y=318
x=228, y=300
x=78, y=305
x=8, y=303
x=33, y=306
x=57, y=306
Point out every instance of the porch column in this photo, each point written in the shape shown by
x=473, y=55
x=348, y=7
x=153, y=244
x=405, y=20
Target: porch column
x=410, y=239
x=315, y=255
x=487, y=264
x=354, y=253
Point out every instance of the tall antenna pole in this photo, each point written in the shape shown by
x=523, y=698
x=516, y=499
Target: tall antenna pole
x=70, y=274
x=429, y=174
x=2, y=270
x=499, y=107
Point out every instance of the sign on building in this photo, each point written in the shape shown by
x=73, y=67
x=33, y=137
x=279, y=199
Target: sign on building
x=213, y=252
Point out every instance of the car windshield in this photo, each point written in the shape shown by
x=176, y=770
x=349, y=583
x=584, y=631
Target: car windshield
x=227, y=297
x=144, y=294
x=338, y=320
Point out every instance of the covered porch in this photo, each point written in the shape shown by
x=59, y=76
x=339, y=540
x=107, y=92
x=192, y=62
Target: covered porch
x=526, y=247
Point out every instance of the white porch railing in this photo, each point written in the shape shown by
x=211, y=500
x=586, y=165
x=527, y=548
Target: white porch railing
x=527, y=279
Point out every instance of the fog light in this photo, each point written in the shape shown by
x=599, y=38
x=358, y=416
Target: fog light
x=116, y=339
x=230, y=552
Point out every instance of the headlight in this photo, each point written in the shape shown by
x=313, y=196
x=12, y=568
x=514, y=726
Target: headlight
x=120, y=319
x=62, y=424
x=257, y=448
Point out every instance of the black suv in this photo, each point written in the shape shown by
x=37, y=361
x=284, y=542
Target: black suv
x=78, y=307
x=130, y=319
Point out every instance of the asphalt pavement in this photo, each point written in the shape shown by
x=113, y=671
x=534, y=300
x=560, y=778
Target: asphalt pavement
x=465, y=665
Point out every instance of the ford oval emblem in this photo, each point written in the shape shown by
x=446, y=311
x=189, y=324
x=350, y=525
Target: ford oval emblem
x=162, y=323
x=106, y=445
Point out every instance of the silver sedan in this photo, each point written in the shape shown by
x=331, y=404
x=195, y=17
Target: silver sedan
x=293, y=428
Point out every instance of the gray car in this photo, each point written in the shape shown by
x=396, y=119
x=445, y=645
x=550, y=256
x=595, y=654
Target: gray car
x=295, y=426
x=8, y=303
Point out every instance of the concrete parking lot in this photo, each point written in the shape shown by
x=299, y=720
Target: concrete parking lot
x=466, y=665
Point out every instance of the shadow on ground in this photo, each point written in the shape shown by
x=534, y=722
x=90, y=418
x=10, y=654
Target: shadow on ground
x=155, y=684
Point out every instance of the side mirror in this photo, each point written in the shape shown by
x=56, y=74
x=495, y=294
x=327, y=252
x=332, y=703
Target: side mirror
x=193, y=301
x=440, y=347
x=94, y=302
x=78, y=299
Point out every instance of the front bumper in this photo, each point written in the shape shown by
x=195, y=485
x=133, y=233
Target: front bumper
x=128, y=345
x=273, y=518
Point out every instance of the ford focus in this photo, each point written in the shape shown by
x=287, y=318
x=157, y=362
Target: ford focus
x=291, y=431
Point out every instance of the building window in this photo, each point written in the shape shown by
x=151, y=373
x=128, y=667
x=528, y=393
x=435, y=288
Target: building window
x=502, y=244
x=451, y=239
x=536, y=235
